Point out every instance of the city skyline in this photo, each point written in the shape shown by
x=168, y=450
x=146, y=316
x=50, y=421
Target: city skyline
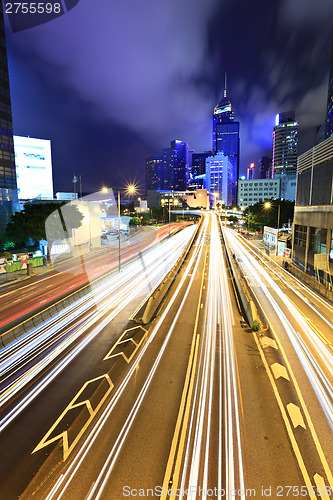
x=109, y=104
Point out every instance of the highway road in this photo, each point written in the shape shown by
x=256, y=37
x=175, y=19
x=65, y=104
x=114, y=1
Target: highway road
x=194, y=404
x=33, y=363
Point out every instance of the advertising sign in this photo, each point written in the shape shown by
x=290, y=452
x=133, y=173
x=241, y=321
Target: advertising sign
x=33, y=168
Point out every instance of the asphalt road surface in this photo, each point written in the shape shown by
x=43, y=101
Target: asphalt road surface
x=193, y=405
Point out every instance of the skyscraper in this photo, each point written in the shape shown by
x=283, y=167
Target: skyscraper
x=329, y=114
x=226, y=139
x=265, y=164
x=175, y=166
x=8, y=188
x=285, y=140
x=154, y=178
x=199, y=163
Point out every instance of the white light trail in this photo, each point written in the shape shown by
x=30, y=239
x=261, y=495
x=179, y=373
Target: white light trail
x=125, y=286
x=97, y=428
x=310, y=348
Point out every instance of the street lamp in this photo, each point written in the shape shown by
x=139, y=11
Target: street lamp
x=131, y=188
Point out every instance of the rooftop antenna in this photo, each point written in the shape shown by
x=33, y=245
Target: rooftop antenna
x=225, y=84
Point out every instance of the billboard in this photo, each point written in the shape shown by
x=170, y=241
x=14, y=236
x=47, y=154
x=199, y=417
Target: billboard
x=33, y=168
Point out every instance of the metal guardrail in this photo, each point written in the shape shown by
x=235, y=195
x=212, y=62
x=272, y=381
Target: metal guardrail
x=151, y=306
x=248, y=305
x=309, y=280
x=29, y=322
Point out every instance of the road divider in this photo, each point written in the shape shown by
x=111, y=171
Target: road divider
x=247, y=303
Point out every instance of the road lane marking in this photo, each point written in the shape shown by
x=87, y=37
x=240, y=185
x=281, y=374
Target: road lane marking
x=298, y=391
x=92, y=413
x=185, y=405
x=279, y=371
x=296, y=415
x=321, y=486
x=268, y=342
x=127, y=341
x=284, y=416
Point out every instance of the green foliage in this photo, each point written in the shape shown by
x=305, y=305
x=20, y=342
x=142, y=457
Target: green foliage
x=30, y=223
x=256, y=326
x=8, y=244
x=5, y=244
x=233, y=219
x=43, y=221
x=135, y=221
x=145, y=219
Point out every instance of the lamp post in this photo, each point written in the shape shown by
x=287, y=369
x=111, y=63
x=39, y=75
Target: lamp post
x=268, y=204
x=131, y=189
x=278, y=226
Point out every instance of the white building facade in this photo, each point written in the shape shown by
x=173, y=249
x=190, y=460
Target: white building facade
x=255, y=191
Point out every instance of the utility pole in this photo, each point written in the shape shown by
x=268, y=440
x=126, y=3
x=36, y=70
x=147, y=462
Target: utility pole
x=278, y=225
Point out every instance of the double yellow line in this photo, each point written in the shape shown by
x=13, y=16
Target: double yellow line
x=171, y=477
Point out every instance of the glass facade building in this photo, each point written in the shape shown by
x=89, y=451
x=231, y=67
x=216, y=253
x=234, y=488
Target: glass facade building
x=285, y=142
x=264, y=167
x=154, y=173
x=171, y=170
x=219, y=177
x=313, y=218
x=199, y=163
x=329, y=115
x=175, y=166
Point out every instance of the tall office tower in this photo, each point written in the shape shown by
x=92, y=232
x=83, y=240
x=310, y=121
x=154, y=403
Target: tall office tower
x=190, y=153
x=199, y=163
x=226, y=139
x=329, y=115
x=285, y=140
x=264, y=167
x=219, y=177
x=154, y=180
x=175, y=166
x=8, y=188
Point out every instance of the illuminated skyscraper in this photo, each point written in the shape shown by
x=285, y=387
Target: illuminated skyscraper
x=199, y=163
x=8, y=191
x=285, y=141
x=219, y=177
x=329, y=115
x=265, y=167
x=175, y=166
x=226, y=140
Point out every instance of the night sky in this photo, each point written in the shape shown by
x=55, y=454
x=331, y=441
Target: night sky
x=111, y=82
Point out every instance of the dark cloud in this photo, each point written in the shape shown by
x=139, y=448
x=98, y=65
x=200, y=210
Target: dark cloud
x=113, y=82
